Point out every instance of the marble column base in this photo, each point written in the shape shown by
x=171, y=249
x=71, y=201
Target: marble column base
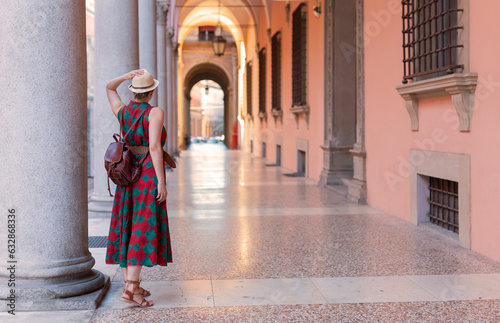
x=83, y=292
x=357, y=187
x=100, y=206
x=337, y=165
x=357, y=191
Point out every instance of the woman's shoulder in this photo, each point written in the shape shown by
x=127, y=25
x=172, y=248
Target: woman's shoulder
x=155, y=112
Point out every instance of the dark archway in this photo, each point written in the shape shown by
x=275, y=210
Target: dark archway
x=208, y=71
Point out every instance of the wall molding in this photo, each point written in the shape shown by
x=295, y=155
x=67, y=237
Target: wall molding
x=461, y=88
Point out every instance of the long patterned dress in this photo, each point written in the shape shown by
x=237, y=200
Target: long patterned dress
x=138, y=233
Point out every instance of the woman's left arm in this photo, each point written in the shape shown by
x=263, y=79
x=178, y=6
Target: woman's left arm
x=156, y=150
x=114, y=99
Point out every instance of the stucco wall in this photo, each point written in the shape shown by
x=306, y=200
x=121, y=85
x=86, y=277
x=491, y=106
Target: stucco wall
x=388, y=134
x=288, y=129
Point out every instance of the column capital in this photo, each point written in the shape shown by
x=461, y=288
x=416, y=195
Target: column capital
x=170, y=33
x=161, y=12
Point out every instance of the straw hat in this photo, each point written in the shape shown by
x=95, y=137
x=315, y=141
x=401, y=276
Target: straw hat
x=143, y=83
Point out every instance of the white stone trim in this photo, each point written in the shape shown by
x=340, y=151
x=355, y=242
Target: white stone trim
x=279, y=141
x=449, y=166
x=461, y=88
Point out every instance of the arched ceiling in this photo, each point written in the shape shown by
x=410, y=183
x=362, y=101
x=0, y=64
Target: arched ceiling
x=236, y=16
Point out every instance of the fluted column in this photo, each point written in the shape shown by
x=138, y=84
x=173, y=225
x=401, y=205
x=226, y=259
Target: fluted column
x=170, y=91
x=162, y=9
x=175, y=100
x=147, y=39
x=116, y=53
x=43, y=172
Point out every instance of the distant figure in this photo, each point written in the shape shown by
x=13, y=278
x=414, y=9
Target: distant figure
x=138, y=233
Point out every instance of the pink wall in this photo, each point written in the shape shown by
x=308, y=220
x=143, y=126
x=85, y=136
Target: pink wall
x=288, y=129
x=388, y=135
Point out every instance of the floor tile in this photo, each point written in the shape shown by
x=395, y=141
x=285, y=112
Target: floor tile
x=461, y=287
x=371, y=290
x=166, y=294
x=250, y=292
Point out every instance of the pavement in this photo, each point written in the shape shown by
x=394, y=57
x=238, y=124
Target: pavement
x=252, y=245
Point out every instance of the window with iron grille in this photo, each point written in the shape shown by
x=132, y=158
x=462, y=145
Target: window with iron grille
x=206, y=33
x=262, y=80
x=443, y=202
x=299, y=50
x=276, y=70
x=249, y=87
x=430, y=41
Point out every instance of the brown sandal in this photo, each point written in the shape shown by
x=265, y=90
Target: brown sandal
x=130, y=295
x=145, y=293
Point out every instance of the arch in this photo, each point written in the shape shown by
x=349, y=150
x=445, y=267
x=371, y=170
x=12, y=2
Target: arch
x=208, y=71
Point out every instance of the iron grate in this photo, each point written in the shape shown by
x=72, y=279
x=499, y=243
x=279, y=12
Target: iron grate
x=430, y=37
x=443, y=203
x=98, y=241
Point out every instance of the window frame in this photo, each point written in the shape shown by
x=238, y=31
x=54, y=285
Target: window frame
x=276, y=62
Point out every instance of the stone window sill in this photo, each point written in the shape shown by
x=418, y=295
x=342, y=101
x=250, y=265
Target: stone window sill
x=461, y=88
x=277, y=113
x=300, y=109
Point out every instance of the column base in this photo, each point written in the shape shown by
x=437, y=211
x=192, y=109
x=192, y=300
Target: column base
x=357, y=186
x=337, y=165
x=85, y=292
x=100, y=206
x=357, y=191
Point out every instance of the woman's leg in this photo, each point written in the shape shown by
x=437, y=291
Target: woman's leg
x=133, y=274
x=125, y=273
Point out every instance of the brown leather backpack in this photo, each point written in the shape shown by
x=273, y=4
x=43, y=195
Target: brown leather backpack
x=122, y=166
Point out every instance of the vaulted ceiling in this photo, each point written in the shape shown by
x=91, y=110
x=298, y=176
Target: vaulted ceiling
x=236, y=16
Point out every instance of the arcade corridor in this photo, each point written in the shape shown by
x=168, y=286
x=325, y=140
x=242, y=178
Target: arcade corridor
x=253, y=245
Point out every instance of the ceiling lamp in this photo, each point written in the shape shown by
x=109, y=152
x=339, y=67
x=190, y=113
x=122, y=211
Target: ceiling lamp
x=219, y=42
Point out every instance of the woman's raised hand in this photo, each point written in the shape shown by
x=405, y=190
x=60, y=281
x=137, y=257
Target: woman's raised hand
x=130, y=75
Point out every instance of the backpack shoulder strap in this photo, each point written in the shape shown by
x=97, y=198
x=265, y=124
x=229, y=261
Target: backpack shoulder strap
x=133, y=125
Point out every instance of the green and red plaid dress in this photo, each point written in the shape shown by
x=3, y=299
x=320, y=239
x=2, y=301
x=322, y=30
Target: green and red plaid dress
x=138, y=233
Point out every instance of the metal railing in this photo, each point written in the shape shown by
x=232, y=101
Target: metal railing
x=430, y=42
x=262, y=80
x=443, y=202
x=299, y=59
x=249, y=87
x=276, y=70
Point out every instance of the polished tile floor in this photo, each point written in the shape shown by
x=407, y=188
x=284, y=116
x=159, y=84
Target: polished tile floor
x=252, y=245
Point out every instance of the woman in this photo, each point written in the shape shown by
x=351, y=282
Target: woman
x=139, y=234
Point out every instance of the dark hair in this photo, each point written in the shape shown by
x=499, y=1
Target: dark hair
x=142, y=96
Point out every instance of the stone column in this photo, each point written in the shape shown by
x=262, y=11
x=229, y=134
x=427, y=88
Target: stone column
x=181, y=107
x=43, y=173
x=175, y=100
x=357, y=186
x=340, y=94
x=161, y=12
x=147, y=39
x=116, y=53
x=170, y=91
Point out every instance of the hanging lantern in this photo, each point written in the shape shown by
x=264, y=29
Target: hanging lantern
x=219, y=42
x=206, y=89
x=219, y=45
